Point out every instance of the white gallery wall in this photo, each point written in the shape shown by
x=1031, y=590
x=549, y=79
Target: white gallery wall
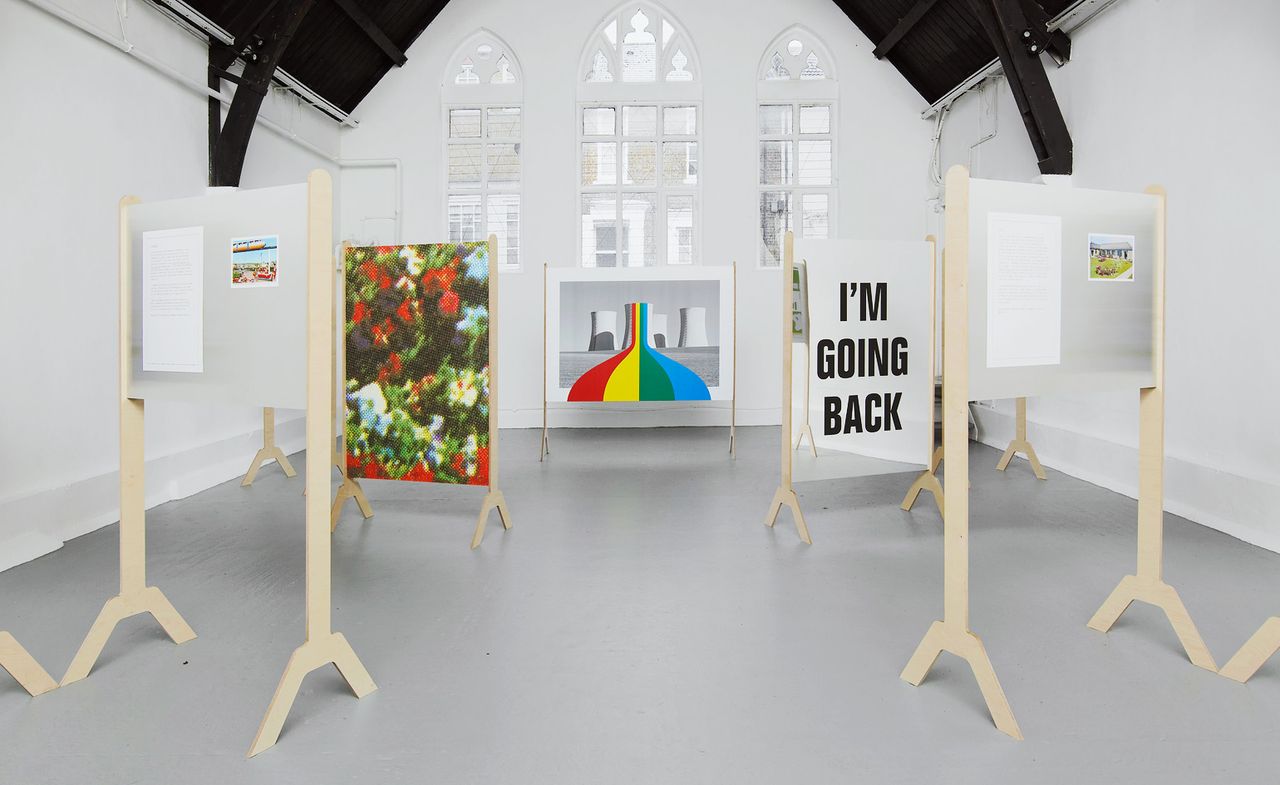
x=883, y=150
x=85, y=124
x=1150, y=99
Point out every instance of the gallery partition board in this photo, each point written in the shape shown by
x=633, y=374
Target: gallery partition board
x=864, y=382
x=253, y=334
x=1041, y=321
x=1031, y=274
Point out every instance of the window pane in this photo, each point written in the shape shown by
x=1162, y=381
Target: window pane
x=815, y=119
x=504, y=163
x=680, y=120
x=680, y=230
x=599, y=230
x=600, y=163
x=639, y=121
x=464, y=123
x=464, y=164
x=639, y=164
x=679, y=163
x=465, y=223
x=775, y=220
x=775, y=120
x=814, y=216
x=638, y=240
x=815, y=162
x=776, y=164
x=504, y=223
x=504, y=122
x=598, y=121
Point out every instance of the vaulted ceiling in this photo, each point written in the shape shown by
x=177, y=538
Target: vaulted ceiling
x=343, y=48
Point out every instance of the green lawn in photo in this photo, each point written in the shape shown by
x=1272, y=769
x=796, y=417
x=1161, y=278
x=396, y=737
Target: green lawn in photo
x=1109, y=269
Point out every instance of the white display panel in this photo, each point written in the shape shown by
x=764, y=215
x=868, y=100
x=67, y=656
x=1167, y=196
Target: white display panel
x=253, y=337
x=1105, y=326
x=868, y=361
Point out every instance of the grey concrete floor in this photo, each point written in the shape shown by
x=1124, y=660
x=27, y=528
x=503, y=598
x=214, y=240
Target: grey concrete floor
x=640, y=625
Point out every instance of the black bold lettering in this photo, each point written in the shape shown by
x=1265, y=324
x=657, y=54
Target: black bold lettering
x=891, y=412
x=826, y=359
x=875, y=302
x=831, y=415
x=853, y=416
x=873, y=419
x=899, y=357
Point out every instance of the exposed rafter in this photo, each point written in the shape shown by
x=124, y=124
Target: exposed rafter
x=1008, y=28
x=904, y=26
x=261, y=49
x=371, y=29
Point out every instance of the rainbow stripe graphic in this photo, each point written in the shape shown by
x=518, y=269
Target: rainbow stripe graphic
x=639, y=372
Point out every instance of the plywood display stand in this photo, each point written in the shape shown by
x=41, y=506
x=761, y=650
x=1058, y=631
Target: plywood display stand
x=268, y=451
x=1147, y=583
x=1020, y=443
x=23, y=667
x=135, y=596
x=544, y=447
x=785, y=495
x=952, y=633
x=493, y=498
x=322, y=645
x=928, y=479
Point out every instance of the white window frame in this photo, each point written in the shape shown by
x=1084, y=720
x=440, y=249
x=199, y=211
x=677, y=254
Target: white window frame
x=484, y=95
x=796, y=92
x=660, y=188
x=796, y=190
x=485, y=188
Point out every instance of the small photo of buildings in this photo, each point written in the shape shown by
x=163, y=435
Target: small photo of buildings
x=1111, y=257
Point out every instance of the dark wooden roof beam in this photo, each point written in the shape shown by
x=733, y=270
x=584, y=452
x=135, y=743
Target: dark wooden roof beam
x=904, y=26
x=371, y=29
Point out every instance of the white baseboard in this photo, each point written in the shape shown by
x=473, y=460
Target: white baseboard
x=1243, y=507
x=638, y=415
x=39, y=523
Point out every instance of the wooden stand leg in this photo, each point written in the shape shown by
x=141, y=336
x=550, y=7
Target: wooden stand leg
x=1021, y=445
x=927, y=481
x=493, y=500
x=148, y=600
x=1147, y=583
x=135, y=595
x=269, y=450
x=322, y=645
x=349, y=489
x=23, y=667
x=787, y=496
x=1256, y=651
x=952, y=634
x=967, y=646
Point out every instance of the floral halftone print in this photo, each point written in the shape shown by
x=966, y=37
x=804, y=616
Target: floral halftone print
x=417, y=386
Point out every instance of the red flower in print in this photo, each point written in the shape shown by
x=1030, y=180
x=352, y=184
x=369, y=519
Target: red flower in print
x=439, y=279
x=482, y=467
x=370, y=270
x=449, y=304
x=359, y=312
x=420, y=473
x=382, y=332
x=383, y=250
x=403, y=311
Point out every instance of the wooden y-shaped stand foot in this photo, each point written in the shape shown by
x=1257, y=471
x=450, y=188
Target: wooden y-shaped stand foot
x=23, y=667
x=1255, y=651
x=1164, y=597
x=805, y=430
x=269, y=450
x=122, y=606
x=493, y=500
x=308, y=657
x=927, y=481
x=349, y=489
x=967, y=646
x=1021, y=445
x=788, y=497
